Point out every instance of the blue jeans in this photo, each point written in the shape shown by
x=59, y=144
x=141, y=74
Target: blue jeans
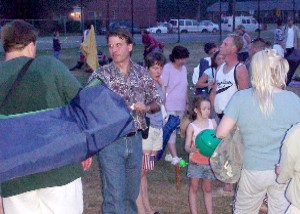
x=120, y=170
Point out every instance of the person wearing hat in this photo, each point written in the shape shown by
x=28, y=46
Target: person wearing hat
x=292, y=37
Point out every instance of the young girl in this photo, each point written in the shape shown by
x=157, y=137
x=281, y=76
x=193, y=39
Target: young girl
x=199, y=167
x=208, y=77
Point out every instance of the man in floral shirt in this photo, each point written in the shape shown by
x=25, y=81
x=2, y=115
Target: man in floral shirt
x=120, y=162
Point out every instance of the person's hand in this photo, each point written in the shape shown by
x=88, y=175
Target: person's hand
x=139, y=106
x=211, y=83
x=193, y=148
x=86, y=164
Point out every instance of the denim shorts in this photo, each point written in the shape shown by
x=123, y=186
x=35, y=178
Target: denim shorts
x=203, y=171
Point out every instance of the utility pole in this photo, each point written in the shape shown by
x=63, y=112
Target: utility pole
x=199, y=9
x=107, y=15
x=258, y=17
x=233, y=14
x=294, y=11
x=81, y=16
x=132, y=17
x=178, y=11
x=220, y=20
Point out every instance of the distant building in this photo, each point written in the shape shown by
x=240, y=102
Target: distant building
x=144, y=11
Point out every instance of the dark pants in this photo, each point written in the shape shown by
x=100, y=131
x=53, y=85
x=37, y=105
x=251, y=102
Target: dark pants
x=292, y=64
x=289, y=51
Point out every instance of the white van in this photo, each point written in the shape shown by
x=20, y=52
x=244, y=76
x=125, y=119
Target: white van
x=185, y=25
x=249, y=22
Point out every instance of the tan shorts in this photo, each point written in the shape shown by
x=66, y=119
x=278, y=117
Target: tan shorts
x=154, y=140
x=252, y=188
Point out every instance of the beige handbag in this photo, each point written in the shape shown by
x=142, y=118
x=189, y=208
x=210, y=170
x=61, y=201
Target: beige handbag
x=227, y=159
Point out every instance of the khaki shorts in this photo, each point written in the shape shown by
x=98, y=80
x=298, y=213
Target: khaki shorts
x=252, y=188
x=154, y=140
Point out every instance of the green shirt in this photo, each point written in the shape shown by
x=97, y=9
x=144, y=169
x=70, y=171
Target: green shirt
x=46, y=84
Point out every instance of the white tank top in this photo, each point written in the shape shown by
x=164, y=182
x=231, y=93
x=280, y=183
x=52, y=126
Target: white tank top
x=196, y=157
x=197, y=130
x=226, y=87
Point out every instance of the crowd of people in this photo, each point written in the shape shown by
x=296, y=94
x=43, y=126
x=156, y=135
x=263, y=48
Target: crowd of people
x=241, y=83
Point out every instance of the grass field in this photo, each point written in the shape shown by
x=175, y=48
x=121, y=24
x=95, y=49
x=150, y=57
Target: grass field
x=164, y=196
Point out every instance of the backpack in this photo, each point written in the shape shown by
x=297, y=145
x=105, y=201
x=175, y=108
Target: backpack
x=204, y=64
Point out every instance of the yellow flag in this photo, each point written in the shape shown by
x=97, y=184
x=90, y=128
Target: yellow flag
x=89, y=49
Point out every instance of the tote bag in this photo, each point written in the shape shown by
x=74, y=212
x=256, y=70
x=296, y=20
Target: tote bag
x=227, y=159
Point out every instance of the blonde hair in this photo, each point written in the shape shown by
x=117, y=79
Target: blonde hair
x=268, y=70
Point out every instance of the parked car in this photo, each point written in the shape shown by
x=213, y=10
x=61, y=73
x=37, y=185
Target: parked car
x=122, y=24
x=161, y=28
x=185, y=25
x=249, y=23
x=209, y=26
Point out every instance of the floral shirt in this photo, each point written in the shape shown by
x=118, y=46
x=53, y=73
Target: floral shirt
x=137, y=86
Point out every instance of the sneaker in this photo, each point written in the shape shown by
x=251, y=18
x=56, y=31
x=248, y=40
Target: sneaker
x=175, y=160
x=168, y=157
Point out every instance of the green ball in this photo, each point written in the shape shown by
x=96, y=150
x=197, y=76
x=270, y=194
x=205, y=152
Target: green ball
x=207, y=142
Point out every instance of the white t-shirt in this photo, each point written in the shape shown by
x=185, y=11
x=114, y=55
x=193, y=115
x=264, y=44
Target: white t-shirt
x=290, y=38
x=226, y=87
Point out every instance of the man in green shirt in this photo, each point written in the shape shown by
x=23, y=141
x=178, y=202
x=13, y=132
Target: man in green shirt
x=46, y=83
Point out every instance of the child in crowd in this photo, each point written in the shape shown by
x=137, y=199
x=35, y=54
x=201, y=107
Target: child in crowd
x=210, y=49
x=154, y=62
x=56, y=44
x=199, y=167
x=207, y=80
